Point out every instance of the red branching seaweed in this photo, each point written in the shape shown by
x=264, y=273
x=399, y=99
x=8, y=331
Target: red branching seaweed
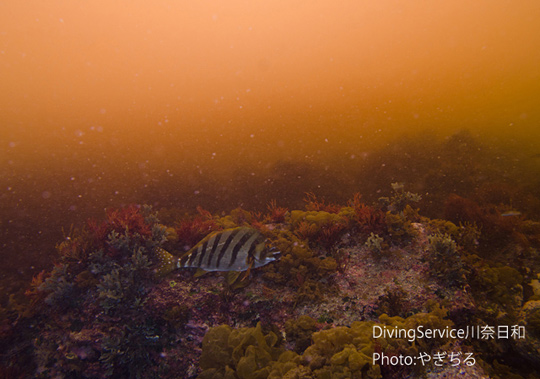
x=306, y=230
x=314, y=204
x=243, y=217
x=276, y=214
x=192, y=230
x=128, y=219
x=330, y=234
x=204, y=213
x=496, y=230
x=98, y=230
x=367, y=218
x=121, y=220
x=33, y=291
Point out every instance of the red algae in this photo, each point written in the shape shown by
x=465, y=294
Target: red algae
x=275, y=214
x=193, y=229
x=315, y=204
x=338, y=280
x=367, y=218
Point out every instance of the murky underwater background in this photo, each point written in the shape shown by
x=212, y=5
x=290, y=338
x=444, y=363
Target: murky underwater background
x=179, y=104
x=227, y=104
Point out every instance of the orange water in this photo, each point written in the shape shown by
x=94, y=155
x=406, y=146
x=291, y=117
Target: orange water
x=182, y=102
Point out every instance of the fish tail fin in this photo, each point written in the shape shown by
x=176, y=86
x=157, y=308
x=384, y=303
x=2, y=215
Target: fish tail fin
x=166, y=262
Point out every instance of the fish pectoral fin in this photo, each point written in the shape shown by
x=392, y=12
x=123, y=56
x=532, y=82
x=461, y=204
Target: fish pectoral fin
x=237, y=279
x=200, y=272
x=232, y=276
x=248, y=271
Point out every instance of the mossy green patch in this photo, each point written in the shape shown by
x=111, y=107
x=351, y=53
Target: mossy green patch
x=501, y=288
x=339, y=352
x=248, y=352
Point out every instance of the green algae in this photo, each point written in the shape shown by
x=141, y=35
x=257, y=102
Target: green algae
x=112, y=277
x=501, y=288
x=445, y=260
x=318, y=218
x=400, y=199
x=338, y=352
x=238, y=353
x=300, y=267
x=376, y=245
x=319, y=228
x=299, y=332
x=399, y=225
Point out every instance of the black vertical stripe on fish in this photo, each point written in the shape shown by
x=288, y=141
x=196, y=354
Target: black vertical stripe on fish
x=184, y=261
x=214, y=243
x=237, y=249
x=192, y=257
x=226, y=246
x=231, y=255
x=252, y=248
x=221, y=246
x=203, y=253
x=238, y=246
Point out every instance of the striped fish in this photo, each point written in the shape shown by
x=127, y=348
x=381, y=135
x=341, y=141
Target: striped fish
x=237, y=249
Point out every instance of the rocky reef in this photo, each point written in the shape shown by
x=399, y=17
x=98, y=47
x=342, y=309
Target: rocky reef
x=359, y=291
